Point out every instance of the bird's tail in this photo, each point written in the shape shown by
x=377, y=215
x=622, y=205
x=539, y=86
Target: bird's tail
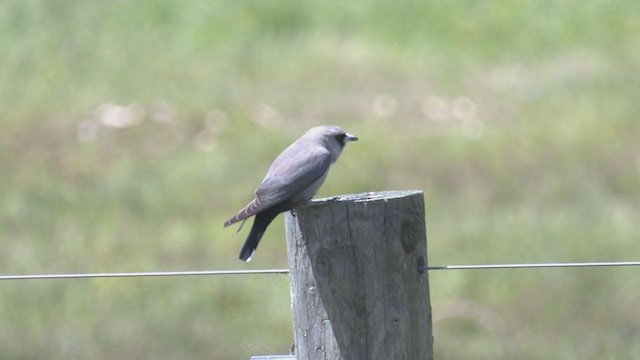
x=260, y=224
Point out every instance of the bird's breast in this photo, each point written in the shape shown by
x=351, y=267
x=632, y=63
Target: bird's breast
x=307, y=193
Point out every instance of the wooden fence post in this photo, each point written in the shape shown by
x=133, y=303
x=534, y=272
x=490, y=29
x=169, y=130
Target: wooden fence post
x=358, y=285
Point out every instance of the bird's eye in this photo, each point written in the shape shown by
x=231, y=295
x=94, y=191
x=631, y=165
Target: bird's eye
x=341, y=137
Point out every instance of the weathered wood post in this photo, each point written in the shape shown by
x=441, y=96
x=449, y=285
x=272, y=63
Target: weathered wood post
x=358, y=285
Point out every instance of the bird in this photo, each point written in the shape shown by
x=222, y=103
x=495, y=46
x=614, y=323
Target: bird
x=292, y=180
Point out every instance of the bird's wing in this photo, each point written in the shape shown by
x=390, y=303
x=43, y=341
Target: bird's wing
x=252, y=208
x=294, y=170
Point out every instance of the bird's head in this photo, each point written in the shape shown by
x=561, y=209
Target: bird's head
x=332, y=134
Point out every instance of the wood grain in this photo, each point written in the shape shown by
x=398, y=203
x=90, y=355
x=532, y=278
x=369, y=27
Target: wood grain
x=355, y=287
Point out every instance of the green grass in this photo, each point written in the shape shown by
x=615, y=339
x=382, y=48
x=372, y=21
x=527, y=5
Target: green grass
x=517, y=118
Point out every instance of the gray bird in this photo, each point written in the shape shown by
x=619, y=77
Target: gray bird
x=292, y=180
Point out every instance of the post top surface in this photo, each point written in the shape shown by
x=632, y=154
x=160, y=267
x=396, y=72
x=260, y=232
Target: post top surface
x=365, y=197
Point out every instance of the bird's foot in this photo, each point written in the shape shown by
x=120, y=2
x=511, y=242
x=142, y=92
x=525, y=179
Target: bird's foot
x=334, y=199
x=293, y=212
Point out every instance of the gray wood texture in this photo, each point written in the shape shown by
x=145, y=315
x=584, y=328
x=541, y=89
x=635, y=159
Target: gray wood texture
x=356, y=290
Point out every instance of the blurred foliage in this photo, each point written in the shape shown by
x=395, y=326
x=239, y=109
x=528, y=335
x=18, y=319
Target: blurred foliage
x=132, y=129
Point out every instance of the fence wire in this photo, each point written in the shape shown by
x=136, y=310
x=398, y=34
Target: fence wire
x=286, y=271
x=142, y=274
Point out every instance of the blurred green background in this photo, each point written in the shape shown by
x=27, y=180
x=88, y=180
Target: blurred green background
x=130, y=130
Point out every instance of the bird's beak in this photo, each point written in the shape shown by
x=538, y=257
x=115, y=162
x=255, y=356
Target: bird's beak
x=349, y=137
